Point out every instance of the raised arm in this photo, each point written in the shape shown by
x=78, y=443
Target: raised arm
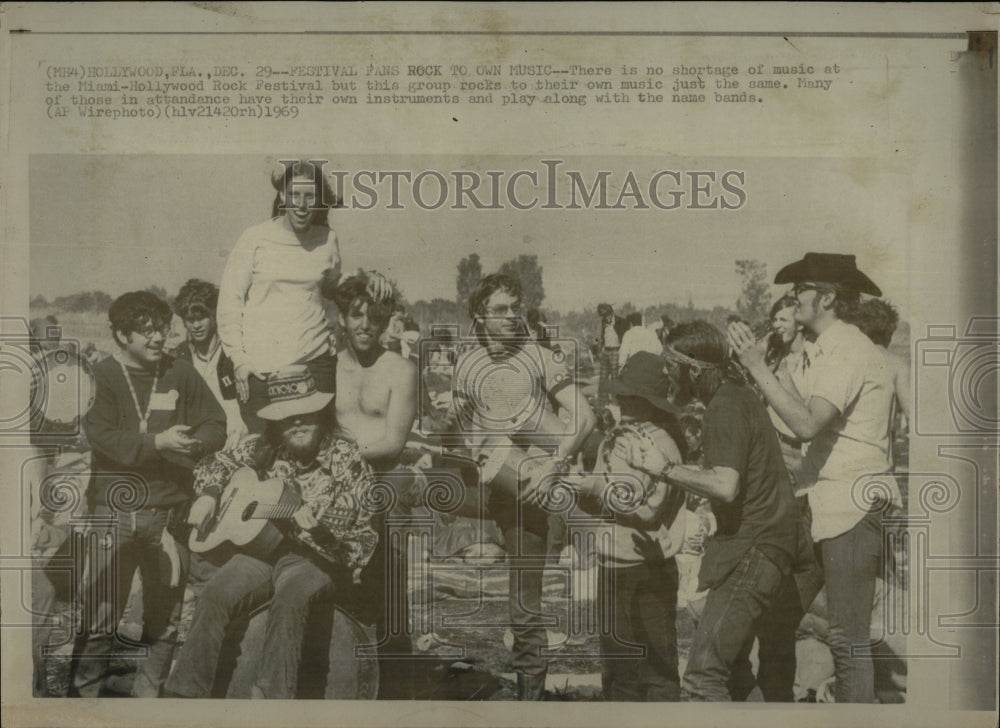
x=804, y=419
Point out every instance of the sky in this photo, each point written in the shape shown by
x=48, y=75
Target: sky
x=118, y=223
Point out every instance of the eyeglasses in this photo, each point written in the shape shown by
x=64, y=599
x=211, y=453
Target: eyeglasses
x=149, y=331
x=513, y=309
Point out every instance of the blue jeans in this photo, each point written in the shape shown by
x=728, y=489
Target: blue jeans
x=851, y=562
x=775, y=633
x=242, y=584
x=731, y=618
x=643, y=603
x=111, y=566
x=525, y=535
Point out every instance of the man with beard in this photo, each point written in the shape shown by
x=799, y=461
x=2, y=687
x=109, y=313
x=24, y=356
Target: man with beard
x=507, y=391
x=376, y=406
x=329, y=544
x=748, y=562
x=846, y=421
x=151, y=420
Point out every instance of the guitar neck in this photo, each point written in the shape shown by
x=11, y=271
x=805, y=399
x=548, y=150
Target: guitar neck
x=275, y=511
x=285, y=511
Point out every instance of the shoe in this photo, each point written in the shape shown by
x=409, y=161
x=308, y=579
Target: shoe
x=530, y=687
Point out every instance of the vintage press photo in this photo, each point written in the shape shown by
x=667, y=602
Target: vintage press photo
x=498, y=364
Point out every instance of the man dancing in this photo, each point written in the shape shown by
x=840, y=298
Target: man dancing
x=747, y=564
x=507, y=391
x=330, y=543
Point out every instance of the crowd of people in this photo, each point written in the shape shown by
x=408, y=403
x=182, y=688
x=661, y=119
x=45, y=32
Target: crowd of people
x=262, y=391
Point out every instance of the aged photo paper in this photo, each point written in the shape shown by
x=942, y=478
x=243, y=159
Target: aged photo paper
x=628, y=165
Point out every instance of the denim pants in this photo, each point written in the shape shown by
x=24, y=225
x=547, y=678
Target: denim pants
x=381, y=599
x=242, y=584
x=111, y=565
x=731, y=618
x=324, y=371
x=525, y=535
x=643, y=600
x=775, y=633
x=851, y=563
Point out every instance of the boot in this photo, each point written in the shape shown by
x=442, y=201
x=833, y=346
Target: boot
x=530, y=687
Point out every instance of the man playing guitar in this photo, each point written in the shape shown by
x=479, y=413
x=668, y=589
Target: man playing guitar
x=328, y=542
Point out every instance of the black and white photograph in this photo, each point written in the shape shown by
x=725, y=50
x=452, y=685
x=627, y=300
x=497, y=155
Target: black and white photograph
x=404, y=368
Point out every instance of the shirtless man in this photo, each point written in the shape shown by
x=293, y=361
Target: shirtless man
x=376, y=405
x=376, y=400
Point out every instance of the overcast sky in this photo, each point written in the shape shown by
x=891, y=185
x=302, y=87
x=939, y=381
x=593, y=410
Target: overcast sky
x=118, y=223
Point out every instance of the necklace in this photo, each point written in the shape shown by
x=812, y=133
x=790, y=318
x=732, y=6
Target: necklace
x=216, y=343
x=143, y=418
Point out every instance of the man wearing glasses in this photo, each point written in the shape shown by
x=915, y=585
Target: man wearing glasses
x=845, y=421
x=510, y=394
x=153, y=417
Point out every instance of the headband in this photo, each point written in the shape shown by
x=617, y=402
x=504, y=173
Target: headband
x=672, y=355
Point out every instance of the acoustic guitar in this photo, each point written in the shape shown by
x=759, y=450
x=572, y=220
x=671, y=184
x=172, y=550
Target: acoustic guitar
x=245, y=514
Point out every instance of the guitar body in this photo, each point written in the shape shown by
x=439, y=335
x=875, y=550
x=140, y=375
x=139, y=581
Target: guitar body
x=238, y=519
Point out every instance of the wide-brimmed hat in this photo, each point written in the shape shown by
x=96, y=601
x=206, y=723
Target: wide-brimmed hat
x=643, y=376
x=841, y=270
x=292, y=391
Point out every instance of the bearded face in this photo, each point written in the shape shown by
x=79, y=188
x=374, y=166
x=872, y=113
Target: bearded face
x=301, y=435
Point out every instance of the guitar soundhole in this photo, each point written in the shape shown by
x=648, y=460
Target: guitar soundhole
x=249, y=511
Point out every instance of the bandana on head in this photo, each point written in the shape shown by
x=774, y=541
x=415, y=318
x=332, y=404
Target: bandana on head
x=672, y=355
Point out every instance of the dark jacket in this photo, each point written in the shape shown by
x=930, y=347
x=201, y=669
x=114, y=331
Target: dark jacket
x=227, y=381
x=621, y=326
x=124, y=457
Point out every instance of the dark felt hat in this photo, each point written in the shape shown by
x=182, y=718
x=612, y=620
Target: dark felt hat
x=828, y=268
x=643, y=376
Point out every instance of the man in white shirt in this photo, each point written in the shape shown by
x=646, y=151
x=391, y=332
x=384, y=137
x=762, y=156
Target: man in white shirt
x=845, y=421
x=638, y=338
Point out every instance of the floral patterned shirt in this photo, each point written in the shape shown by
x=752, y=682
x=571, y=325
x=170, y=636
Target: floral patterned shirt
x=339, y=488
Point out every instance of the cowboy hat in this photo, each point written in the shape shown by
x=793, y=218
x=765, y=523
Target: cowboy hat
x=835, y=268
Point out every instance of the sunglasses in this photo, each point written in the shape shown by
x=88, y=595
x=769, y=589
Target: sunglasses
x=803, y=287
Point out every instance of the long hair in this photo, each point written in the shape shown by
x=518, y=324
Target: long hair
x=776, y=348
x=877, y=320
x=350, y=293
x=846, y=303
x=703, y=342
x=197, y=297
x=307, y=170
x=269, y=444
